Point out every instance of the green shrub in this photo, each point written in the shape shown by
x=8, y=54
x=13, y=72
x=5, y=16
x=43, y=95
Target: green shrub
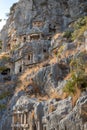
x=77, y=80
x=80, y=26
x=60, y=50
x=2, y=68
x=69, y=87
x=15, y=47
x=79, y=34
x=78, y=63
x=80, y=23
x=67, y=34
x=4, y=95
x=81, y=80
x=2, y=106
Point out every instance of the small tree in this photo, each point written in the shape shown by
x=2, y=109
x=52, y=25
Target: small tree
x=78, y=75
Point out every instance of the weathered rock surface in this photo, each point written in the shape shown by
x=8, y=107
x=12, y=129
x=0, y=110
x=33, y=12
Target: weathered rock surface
x=24, y=12
x=32, y=84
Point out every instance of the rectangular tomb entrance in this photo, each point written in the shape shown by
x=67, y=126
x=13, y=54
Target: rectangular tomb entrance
x=20, y=121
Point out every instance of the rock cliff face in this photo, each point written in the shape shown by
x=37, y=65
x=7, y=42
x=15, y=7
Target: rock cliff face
x=38, y=90
x=49, y=15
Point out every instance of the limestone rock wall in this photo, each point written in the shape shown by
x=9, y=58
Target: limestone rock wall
x=28, y=37
x=53, y=15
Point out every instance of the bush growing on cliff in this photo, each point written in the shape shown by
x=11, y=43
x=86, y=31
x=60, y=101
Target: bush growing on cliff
x=2, y=106
x=80, y=23
x=80, y=26
x=69, y=87
x=79, y=63
x=15, y=47
x=76, y=81
x=67, y=34
x=4, y=95
x=78, y=75
x=2, y=68
x=60, y=50
x=77, y=31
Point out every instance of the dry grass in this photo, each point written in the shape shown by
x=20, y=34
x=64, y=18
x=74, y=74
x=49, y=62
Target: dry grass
x=23, y=83
x=53, y=60
x=42, y=98
x=56, y=36
x=76, y=96
x=56, y=95
x=64, y=95
x=19, y=88
x=32, y=115
x=51, y=108
x=68, y=76
x=4, y=54
x=28, y=71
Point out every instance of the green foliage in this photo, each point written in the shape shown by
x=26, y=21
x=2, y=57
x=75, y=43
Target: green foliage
x=78, y=75
x=4, y=95
x=78, y=63
x=78, y=34
x=80, y=23
x=77, y=80
x=2, y=68
x=69, y=87
x=67, y=34
x=59, y=52
x=15, y=47
x=80, y=26
x=2, y=106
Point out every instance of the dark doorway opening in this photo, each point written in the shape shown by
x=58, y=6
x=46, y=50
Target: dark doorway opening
x=44, y=50
x=24, y=39
x=20, y=69
x=6, y=72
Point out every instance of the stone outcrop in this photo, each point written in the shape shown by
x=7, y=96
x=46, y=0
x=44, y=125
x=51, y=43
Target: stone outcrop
x=29, y=114
x=36, y=67
x=32, y=17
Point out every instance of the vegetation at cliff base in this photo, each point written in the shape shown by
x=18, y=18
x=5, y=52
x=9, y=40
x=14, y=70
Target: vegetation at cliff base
x=78, y=75
x=77, y=29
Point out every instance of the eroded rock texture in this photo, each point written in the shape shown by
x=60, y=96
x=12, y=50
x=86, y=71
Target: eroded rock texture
x=34, y=75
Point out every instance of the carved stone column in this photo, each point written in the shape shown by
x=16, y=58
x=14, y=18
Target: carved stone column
x=13, y=121
x=12, y=128
x=25, y=118
x=21, y=118
x=40, y=36
x=38, y=125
